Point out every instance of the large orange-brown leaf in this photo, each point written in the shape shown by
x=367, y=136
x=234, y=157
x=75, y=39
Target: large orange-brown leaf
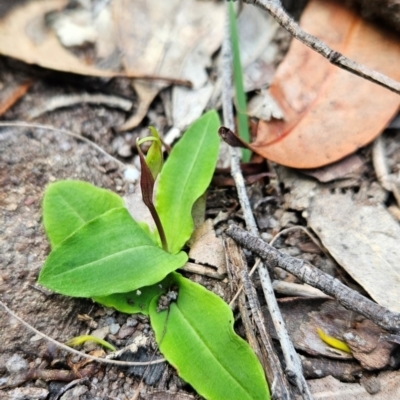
x=329, y=112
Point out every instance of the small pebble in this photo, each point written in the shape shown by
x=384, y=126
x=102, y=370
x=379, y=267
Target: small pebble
x=125, y=331
x=16, y=363
x=131, y=174
x=125, y=151
x=74, y=393
x=110, y=320
x=273, y=223
x=114, y=328
x=101, y=333
x=65, y=146
x=371, y=384
x=287, y=218
x=117, y=143
x=31, y=393
x=131, y=321
x=267, y=237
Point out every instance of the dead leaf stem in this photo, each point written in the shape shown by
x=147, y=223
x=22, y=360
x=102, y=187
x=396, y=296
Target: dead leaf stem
x=293, y=363
x=276, y=9
x=311, y=275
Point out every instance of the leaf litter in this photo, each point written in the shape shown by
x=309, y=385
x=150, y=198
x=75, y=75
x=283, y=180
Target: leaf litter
x=362, y=237
x=329, y=113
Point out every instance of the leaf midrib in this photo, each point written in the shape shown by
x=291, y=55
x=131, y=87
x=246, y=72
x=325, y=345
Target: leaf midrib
x=210, y=350
x=72, y=209
x=110, y=256
x=181, y=188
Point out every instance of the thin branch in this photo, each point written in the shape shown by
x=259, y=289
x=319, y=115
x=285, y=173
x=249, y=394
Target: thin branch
x=293, y=363
x=275, y=8
x=348, y=298
x=21, y=124
x=70, y=350
x=296, y=228
x=70, y=100
x=253, y=269
x=295, y=290
x=278, y=286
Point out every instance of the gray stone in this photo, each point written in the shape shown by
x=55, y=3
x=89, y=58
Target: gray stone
x=16, y=364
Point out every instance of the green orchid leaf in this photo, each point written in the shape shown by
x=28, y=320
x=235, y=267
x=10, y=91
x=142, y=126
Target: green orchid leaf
x=67, y=205
x=185, y=177
x=196, y=336
x=137, y=301
x=110, y=254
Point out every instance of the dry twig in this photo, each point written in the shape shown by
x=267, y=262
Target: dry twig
x=311, y=275
x=275, y=8
x=293, y=363
x=69, y=100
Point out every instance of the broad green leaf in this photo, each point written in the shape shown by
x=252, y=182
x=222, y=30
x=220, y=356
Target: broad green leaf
x=196, y=336
x=137, y=301
x=185, y=177
x=240, y=95
x=110, y=254
x=67, y=205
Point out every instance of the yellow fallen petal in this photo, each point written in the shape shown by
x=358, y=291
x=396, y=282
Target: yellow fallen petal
x=333, y=342
x=78, y=340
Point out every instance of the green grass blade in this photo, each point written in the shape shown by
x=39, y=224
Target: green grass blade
x=240, y=95
x=67, y=205
x=196, y=336
x=185, y=177
x=110, y=254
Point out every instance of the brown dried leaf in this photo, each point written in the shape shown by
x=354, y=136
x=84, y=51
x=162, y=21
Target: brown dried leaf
x=329, y=112
x=387, y=386
x=145, y=36
x=25, y=36
x=349, y=167
x=174, y=35
x=366, y=347
x=364, y=239
x=303, y=316
x=206, y=248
